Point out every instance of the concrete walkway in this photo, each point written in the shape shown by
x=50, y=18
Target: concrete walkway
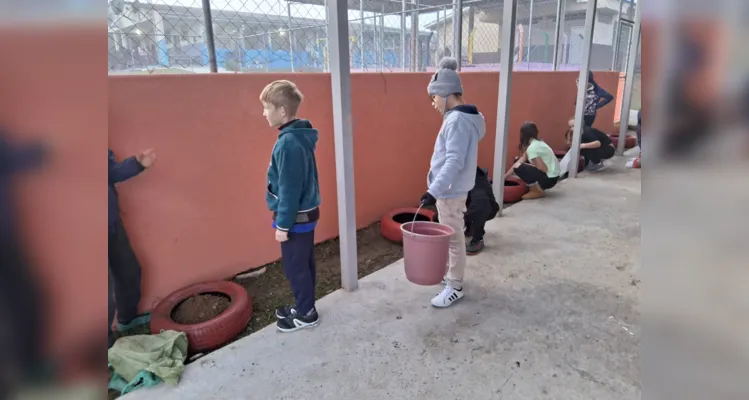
x=551, y=312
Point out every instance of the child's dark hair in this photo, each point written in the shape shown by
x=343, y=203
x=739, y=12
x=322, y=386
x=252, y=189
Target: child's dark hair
x=528, y=131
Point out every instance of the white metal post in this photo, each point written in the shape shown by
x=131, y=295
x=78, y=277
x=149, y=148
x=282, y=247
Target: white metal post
x=634, y=43
x=530, y=36
x=503, y=99
x=458, y=32
x=340, y=77
x=415, y=37
x=270, y=51
x=403, y=35
x=361, y=33
x=291, y=35
x=375, y=39
x=377, y=43
x=617, y=31
x=444, y=34
x=590, y=17
x=382, y=39
x=327, y=44
x=561, y=9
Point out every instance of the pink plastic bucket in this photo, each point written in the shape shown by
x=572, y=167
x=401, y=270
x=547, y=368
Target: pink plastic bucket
x=426, y=251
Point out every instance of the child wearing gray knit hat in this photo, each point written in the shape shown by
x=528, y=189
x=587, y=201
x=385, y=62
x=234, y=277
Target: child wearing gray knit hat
x=446, y=80
x=452, y=172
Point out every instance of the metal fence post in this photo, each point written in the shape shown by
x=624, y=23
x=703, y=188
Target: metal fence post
x=340, y=75
x=458, y=31
x=559, y=29
x=403, y=35
x=361, y=34
x=291, y=35
x=376, y=41
x=382, y=39
x=507, y=49
x=590, y=17
x=530, y=35
x=325, y=62
x=209, y=41
x=415, y=37
x=615, y=41
x=471, y=36
x=628, y=83
x=444, y=34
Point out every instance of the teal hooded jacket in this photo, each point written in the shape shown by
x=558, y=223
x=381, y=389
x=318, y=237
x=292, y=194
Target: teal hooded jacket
x=292, y=175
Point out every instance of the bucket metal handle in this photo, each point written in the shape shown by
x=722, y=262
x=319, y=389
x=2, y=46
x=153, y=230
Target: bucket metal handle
x=415, y=217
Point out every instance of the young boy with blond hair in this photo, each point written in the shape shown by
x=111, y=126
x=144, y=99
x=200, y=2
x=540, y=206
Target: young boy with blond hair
x=293, y=195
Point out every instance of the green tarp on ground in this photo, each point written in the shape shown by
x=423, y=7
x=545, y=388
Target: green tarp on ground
x=146, y=360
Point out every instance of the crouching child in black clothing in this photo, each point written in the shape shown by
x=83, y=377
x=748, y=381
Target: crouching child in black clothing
x=482, y=207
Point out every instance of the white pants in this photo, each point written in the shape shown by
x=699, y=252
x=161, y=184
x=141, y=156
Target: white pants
x=451, y=213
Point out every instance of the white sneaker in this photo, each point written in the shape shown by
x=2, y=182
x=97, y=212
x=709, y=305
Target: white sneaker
x=447, y=297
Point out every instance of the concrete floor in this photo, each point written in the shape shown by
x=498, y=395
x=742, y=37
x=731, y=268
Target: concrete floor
x=551, y=312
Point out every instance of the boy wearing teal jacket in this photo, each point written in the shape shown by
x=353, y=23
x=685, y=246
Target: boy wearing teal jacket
x=293, y=195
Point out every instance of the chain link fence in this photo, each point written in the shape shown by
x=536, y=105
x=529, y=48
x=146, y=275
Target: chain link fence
x=170, y=36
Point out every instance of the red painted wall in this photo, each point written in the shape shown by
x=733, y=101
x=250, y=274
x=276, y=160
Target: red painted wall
x=200, y=213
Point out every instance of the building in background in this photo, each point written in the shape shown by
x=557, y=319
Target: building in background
x=154, y=36
x=534, y=43
x=280, y=35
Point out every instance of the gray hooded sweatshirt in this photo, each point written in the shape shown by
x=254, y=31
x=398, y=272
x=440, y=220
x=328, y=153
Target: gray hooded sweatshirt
x=452, y=171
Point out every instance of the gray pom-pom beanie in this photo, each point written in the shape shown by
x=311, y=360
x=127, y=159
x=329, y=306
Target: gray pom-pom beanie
x=446, y=80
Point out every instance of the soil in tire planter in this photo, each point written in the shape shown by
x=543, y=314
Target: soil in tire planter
x=200, y=308
x=409, y=217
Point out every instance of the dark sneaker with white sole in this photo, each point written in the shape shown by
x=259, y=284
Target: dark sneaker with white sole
x=474, y=247
x=595, y=167
x=295, y=322
x=285, y=312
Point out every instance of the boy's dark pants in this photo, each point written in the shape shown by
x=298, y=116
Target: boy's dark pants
x=298, y=256
x=21, y=313
x=124, y=277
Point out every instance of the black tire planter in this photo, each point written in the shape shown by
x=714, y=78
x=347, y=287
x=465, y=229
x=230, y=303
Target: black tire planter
x=390, y=224
x=514, y=190
x=213, y=333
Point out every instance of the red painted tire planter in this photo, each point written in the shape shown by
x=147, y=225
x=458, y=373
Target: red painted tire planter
x=515, y=190
x=580, y=161
x=629, y=142
x=390, y=224
x=213, y=333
